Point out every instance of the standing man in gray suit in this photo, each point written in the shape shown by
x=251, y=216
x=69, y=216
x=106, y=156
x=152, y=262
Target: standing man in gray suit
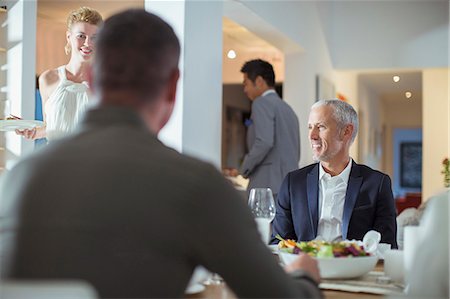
x=273, y=136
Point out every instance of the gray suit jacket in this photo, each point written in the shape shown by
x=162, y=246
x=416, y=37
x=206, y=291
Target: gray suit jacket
x=113, y=206
x=273, y=140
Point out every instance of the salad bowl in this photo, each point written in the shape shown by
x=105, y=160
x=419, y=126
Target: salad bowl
x=336, y=260
x=338, y=267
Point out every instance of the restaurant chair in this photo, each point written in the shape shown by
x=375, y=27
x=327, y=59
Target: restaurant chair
x=411, y=200
x=46, y=289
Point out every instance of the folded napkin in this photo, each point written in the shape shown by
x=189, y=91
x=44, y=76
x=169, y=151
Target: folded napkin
x=369, y=283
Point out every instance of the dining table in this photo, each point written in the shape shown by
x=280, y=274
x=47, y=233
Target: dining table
x=370, y=286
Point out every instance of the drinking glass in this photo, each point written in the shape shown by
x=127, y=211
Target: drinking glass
x=262, y=206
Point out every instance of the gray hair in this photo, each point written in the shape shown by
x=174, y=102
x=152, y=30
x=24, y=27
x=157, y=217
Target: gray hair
x=343, y=113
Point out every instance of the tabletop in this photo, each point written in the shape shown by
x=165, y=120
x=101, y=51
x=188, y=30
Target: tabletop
x=223, y=292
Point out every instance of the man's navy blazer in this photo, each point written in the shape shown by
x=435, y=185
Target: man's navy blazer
x=369, y=205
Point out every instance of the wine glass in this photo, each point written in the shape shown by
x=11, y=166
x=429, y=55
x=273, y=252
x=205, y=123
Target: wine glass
x=262, y=206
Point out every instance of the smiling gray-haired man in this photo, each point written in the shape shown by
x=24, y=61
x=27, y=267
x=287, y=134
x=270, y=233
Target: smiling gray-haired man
x=335, y=198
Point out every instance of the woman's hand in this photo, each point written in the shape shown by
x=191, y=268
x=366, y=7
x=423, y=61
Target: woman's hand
x=27, y=133
x=33, y=133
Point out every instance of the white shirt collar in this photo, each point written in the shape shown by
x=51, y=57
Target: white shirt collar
x=344, y=175
x=268, y=91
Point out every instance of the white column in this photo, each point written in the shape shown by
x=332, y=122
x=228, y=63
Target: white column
x=298, y=91
x=195, y=126
x=20, y=71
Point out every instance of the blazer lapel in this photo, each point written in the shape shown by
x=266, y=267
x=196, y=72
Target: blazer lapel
x=313, y=198
x=354, y=184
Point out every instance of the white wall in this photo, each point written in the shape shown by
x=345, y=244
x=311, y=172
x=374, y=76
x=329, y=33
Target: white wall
x=202, y=116
x=196, y=124
x=403, y=113
x=174, y=14
x=436, y=128
x=51, y=39
x=371, y=121
x=347, y=85
x=368, y=105
x=20, y=72
x=388, y=34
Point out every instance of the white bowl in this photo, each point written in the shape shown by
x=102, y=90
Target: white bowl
x=340, y=267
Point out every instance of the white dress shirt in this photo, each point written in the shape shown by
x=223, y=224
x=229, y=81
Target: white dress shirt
x=268, y=91
x=332, y=192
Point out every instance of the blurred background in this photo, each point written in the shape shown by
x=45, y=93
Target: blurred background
x=389, y=59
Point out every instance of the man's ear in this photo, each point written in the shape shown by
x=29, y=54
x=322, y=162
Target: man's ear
x=259, y=82
x=169, y=100
x=347, y=132
x=172, y=85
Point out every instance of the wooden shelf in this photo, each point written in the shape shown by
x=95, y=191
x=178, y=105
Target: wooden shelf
x=2, y=50
x=2, y=9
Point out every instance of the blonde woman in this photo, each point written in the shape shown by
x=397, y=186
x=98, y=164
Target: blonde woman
x=64, y=90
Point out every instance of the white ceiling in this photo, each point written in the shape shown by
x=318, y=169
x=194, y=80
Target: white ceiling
x=239, y=37
x=383, y=84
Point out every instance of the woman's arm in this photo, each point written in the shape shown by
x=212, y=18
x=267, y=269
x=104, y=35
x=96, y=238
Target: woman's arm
x=48, y=81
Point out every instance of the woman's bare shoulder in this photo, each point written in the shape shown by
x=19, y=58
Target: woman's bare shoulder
x=48, y=81
x=49, y=77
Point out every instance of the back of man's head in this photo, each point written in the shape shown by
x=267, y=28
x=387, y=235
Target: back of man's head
x=259, y=67
x=136, y=53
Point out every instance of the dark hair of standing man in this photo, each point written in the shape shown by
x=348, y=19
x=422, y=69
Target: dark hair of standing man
x=137, y=64
x=259, y=67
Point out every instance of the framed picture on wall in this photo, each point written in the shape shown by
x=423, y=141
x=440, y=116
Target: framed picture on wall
x=411, y=164
x=324, y=89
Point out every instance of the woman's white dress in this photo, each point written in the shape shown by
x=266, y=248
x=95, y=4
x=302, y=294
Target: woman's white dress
x=66, y=106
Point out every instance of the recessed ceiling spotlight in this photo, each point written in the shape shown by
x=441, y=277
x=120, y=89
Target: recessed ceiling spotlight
x=231, y=54
x=408, y=94
x=396, y=79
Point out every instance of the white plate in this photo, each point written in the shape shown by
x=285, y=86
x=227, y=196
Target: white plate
x=13, y=124
x=194, y=289
x=341, y=267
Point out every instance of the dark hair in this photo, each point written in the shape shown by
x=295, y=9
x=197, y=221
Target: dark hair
x=136, y=52
x=259, y=67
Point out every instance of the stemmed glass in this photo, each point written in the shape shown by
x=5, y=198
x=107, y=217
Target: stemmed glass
x=262, y=206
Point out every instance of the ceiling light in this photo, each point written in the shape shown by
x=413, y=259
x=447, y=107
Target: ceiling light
x=408, y=94
x=231, y=54
x=396, y=78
